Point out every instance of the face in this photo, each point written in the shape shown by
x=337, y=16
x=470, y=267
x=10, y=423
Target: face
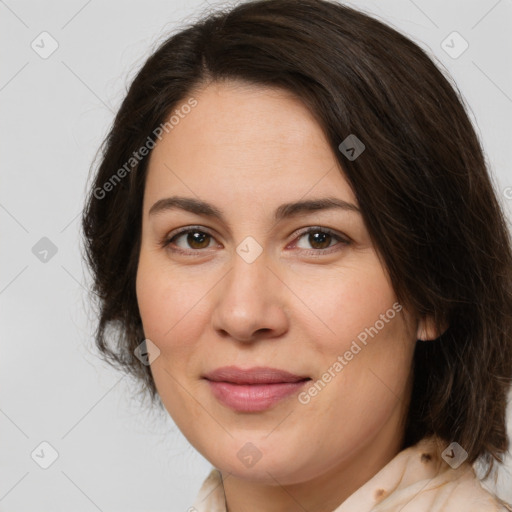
x=247, y=282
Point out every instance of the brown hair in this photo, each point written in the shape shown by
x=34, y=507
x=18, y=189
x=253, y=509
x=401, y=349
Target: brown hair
x=421, y=183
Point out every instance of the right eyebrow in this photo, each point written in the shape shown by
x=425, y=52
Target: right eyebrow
x=284, y=211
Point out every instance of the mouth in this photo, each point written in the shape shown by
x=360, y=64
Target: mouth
x=254, y=389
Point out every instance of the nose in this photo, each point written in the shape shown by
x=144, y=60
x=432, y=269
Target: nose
x=249, y=302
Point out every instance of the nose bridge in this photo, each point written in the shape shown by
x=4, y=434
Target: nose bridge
x=247, y=284
x=247, y=301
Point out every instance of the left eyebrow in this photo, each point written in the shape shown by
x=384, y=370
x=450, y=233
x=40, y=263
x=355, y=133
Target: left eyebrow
x=284, y=211
x=327, y=203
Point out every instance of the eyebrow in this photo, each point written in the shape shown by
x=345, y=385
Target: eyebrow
x=284, y=211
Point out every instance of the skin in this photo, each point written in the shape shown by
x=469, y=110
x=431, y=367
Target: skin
x=246, y=150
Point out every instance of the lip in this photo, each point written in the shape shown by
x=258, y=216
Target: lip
x=254, y=375
x=253, y=389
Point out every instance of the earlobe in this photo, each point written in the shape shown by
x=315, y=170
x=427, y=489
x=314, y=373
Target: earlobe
x=427, y=330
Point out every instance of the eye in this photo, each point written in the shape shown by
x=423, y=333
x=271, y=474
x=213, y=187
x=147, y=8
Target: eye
x=321, y=239
x=194, y=239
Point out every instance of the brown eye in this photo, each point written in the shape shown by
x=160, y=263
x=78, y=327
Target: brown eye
x=194, y=239
x=320, y=239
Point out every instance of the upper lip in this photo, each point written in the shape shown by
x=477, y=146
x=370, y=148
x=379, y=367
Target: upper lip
x=255, y=375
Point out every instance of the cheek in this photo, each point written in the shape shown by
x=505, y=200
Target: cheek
x=161, y=297
x=347, y=303
x=172, y=309
x=170, y=320
x=151, y=299
x=360, y=387
x=367, y=327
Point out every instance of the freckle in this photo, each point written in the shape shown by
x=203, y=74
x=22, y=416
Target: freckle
x=426, y=457
x=379, y=494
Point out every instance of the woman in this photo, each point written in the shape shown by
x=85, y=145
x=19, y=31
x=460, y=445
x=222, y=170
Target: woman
x=299, y=254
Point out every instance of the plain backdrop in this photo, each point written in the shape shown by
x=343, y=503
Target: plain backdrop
x=56, y=109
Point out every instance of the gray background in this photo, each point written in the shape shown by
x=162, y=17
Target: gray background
x=113, y=456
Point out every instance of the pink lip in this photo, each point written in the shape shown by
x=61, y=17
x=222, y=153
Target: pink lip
x=254, y=389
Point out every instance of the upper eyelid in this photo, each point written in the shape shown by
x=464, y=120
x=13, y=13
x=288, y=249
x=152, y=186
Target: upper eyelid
x=301, y=232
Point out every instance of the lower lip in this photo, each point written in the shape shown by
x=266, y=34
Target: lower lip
x=253, y=397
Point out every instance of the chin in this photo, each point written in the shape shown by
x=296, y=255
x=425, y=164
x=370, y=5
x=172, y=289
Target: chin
x=263, y=461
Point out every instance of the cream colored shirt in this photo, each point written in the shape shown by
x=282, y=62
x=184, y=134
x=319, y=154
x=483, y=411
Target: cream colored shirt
x=417, y=479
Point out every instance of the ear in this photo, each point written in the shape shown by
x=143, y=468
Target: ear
x=427, y=331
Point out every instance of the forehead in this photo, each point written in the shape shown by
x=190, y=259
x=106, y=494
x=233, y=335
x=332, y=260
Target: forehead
x=252, y=141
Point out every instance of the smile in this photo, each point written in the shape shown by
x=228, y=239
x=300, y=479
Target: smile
x=254, y=389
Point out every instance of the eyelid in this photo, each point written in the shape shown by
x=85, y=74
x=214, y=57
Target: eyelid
x=314, y=229
x=343, y=239
x=166, y=240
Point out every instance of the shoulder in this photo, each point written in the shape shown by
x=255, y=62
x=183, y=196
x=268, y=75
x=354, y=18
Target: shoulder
x=460, y=490
x=423, y=480
x=467, y=493
x=450, y=491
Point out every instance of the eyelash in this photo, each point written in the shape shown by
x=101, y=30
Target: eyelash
x=168, y=239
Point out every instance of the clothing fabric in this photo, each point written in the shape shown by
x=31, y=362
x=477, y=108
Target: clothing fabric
x=418, y=479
